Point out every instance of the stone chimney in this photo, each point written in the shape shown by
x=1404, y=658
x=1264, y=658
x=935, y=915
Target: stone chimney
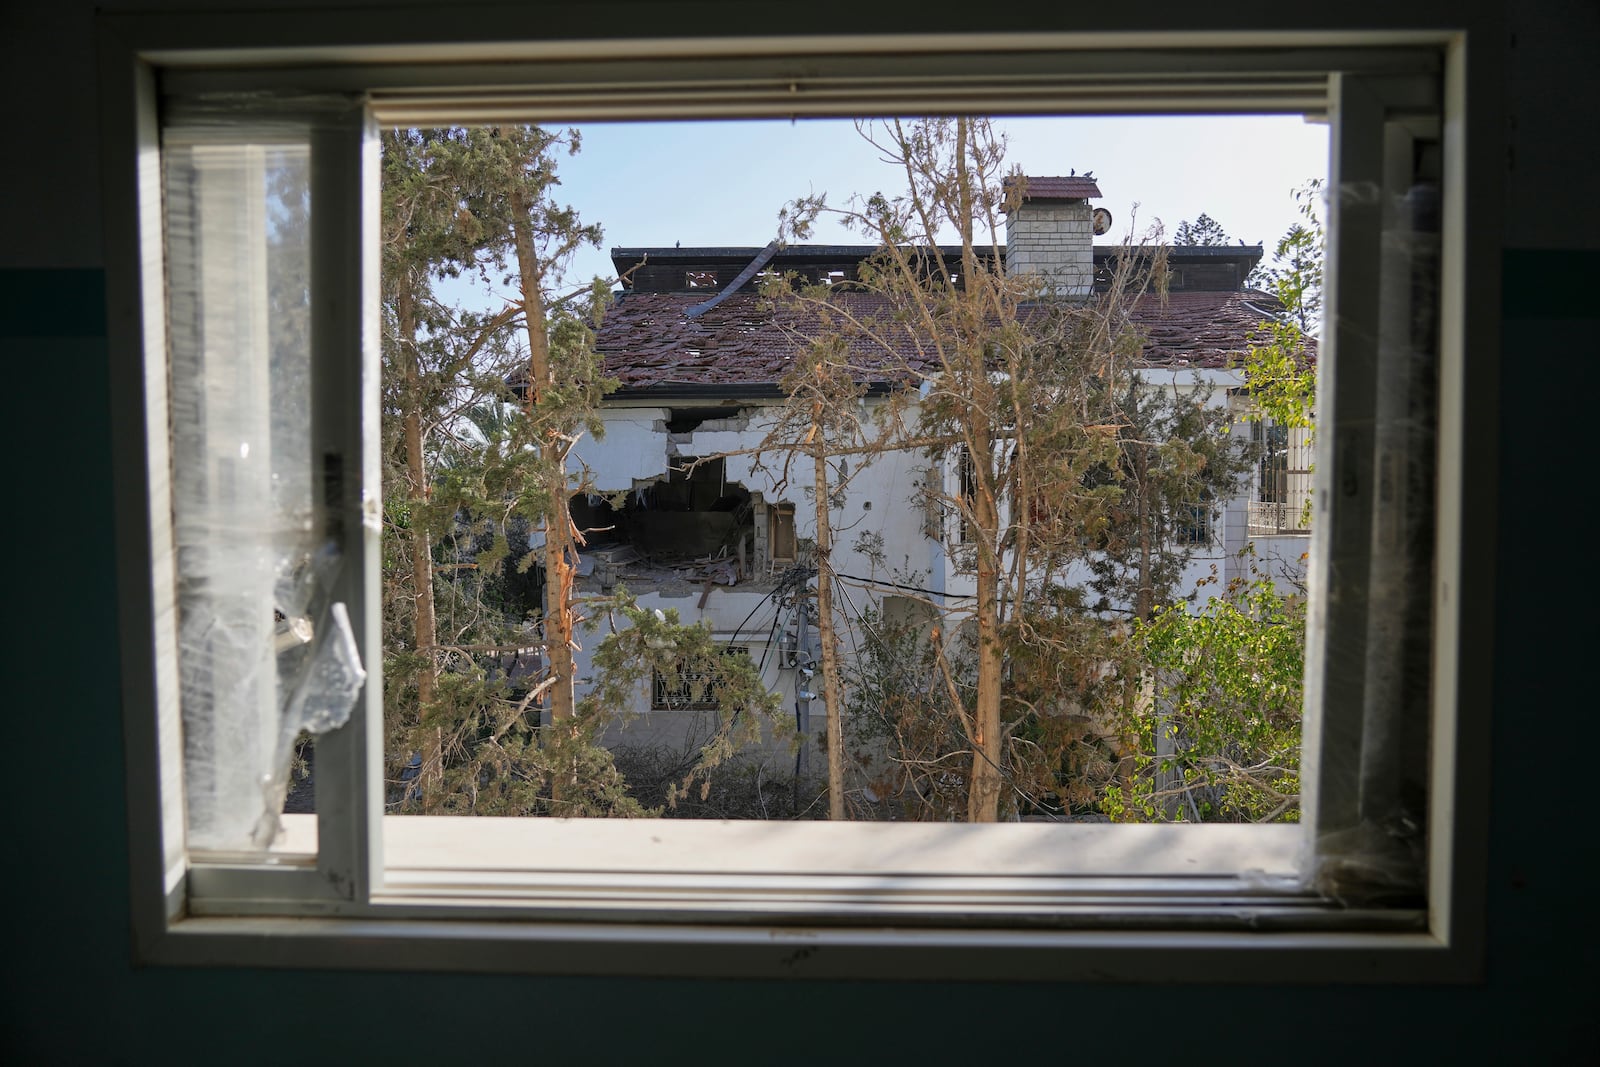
x=1051, y=234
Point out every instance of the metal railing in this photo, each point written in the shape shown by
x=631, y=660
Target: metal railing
x=1279, y=517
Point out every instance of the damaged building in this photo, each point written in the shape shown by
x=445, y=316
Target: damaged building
x=687, y=516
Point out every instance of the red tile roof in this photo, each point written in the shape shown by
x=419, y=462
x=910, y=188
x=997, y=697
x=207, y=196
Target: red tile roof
x=647, y=340
x=1071, y=187
x=1201, y=329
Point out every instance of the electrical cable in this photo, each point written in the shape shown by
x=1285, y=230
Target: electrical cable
x=890, y=585
x=883, y=583
x=761, y=668
x=771, y=593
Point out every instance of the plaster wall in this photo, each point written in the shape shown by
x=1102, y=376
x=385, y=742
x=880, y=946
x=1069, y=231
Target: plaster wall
x=631, y=452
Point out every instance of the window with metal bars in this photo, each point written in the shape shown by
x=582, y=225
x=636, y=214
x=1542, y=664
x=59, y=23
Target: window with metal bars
x=688, y=689
x=1283, y=478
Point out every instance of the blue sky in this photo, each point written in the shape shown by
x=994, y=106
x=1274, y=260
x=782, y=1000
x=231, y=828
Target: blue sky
x=722, y=183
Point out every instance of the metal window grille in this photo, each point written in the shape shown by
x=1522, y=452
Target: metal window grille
x=686, y=689
x=1192, y=524
x=967, y=475
x=1283, y=479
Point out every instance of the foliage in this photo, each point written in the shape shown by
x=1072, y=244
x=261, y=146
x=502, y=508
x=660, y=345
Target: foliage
x=1282, y=381
x=461, y=606
x=906, y=749
x=654, y=641
x=1175, y=463
x=1048, y=453
x=1217, y=728
x=751, y=785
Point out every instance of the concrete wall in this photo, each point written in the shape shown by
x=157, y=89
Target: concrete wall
x=72, y=993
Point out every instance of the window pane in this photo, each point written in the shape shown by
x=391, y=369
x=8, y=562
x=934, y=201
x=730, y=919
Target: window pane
x=261, y=652
x=1128, y=572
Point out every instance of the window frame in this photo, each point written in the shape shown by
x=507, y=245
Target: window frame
x=296, y=911
x=783, y=543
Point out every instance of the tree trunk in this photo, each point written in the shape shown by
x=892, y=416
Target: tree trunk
x=424, y=626
x=1144, y=598
x=825, y=633
x=983, y=795
x=983, y=798
x=558, y=621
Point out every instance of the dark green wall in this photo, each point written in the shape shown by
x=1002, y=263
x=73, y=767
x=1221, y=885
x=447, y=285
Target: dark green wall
x=71, y=994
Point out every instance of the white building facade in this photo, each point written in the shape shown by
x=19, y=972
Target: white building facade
x=682, y=509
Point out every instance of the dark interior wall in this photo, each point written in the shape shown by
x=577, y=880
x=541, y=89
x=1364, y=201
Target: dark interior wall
x=71, y=993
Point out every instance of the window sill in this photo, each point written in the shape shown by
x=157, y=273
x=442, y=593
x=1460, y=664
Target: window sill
x=880, y=900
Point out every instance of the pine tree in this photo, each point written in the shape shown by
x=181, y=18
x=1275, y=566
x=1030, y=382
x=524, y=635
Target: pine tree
x=430, y=357
x=482, y=413
x=478, y=200
x=1204, y=230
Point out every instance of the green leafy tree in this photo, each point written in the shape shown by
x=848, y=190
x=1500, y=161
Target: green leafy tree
x=561, y=388
x=482, y=412
x=434, y=359
x=1222, y=681
x=1282, y=380
x=654, y=642
x=1175, y=464
x=1215, y=727
x=456, y=201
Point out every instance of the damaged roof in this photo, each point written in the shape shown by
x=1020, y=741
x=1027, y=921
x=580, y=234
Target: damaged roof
x=649, y=341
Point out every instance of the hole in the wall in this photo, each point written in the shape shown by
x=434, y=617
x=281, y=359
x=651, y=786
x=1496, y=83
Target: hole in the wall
x=691, y=514
x=688, y=420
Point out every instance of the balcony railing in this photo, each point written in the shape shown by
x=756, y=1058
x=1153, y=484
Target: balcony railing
x=1279, y=517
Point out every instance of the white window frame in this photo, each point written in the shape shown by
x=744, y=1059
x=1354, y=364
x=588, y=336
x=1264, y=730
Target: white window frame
x=865, y=900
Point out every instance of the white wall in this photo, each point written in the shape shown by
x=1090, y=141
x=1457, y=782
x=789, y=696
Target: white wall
x=880, y=501
x=883, y=499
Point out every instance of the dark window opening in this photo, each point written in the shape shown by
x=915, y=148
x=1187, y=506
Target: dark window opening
x=1272, y=444
x=691, y=516
x=1192, y=524
x=688, y=689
